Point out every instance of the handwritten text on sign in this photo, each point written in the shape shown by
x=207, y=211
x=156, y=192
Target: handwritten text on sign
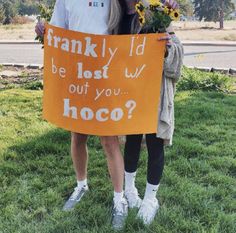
x=102, y=84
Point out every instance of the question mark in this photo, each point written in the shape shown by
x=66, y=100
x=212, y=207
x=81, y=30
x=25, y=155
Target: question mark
x=131, y=105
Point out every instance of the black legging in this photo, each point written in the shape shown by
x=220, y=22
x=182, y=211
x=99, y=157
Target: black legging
x=155, y=148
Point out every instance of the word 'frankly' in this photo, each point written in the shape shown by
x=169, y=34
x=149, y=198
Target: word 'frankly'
x=89, y=49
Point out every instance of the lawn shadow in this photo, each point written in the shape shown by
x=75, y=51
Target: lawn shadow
x=37, y=175
x=49, y=152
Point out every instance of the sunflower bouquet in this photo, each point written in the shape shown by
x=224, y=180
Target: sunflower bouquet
x=156, y=16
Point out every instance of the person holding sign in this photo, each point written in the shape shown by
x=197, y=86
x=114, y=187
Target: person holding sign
x=94, y=17
x=155, y=142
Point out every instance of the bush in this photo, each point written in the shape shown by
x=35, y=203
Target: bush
x=193, y=79
x=21, y=20
x=37, y=85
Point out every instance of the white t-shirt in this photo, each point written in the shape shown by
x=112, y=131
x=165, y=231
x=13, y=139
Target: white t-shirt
x=88, y=16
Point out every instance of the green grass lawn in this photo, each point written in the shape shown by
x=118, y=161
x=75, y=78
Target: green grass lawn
x=198, y=189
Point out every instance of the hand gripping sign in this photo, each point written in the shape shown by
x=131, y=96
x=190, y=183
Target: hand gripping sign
x=102, y=84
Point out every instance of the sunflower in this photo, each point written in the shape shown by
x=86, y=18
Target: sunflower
x=174, y=15
x=155, y=5
x=155, y=2
x=140, y=9
x=167, y=10
x=157, y=16
x=142, y=20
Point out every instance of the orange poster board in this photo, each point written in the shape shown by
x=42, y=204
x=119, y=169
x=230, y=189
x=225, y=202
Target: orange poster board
x=102, y=84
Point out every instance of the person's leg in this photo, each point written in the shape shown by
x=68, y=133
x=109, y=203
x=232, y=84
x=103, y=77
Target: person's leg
x=131, y=158
x=79, y=156
x=150, y=203
x=155, y=148
x=116, y=169
x=132, y=152
x=115, y=161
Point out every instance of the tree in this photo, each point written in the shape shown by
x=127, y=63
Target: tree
x=213, y=10
x=186, y=7
x=9, y=10
x=27, y=7
x=2, y=14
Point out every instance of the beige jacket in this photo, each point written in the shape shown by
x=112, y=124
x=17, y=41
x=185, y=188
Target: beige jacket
x=171, y=74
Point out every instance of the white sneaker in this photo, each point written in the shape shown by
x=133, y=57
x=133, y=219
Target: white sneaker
x=119, y=214
x=75, y=198
x=148, y=210
x=133, y=199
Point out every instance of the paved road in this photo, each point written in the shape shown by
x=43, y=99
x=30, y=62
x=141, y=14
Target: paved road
x=17, y=53
x=210, y=56
x=205, y=56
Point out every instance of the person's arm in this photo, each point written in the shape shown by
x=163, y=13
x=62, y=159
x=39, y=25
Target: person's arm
x=59, y=19
x=174, y=59
x=174, y=52
x=59, y=16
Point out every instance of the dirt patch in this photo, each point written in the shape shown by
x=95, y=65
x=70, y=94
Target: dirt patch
x=13, y=77
x=205, y=31
x=207, y=34
x=17, y=32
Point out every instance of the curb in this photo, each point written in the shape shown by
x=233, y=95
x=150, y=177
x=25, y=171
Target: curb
x=22, y=65
x=19, y=42
x=210, y=43
x=185, y=43
x=228, y=71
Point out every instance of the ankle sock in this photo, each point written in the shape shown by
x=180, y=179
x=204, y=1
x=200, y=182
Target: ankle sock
x=118, y=196
x=82, y=183
x=151, y=191
x=130, y=180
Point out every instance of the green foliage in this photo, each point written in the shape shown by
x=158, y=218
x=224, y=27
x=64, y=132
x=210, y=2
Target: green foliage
x=191, y=79
x=186, y=7
x=158, y=23
x=197, y=192
x=27, y=7
x=2, y=14
x=45, y=11
x=9, y=10
x=209, y=10
x=197, y=80
x=36, y=85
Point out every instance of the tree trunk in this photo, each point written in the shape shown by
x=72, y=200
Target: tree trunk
x=222, y=15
